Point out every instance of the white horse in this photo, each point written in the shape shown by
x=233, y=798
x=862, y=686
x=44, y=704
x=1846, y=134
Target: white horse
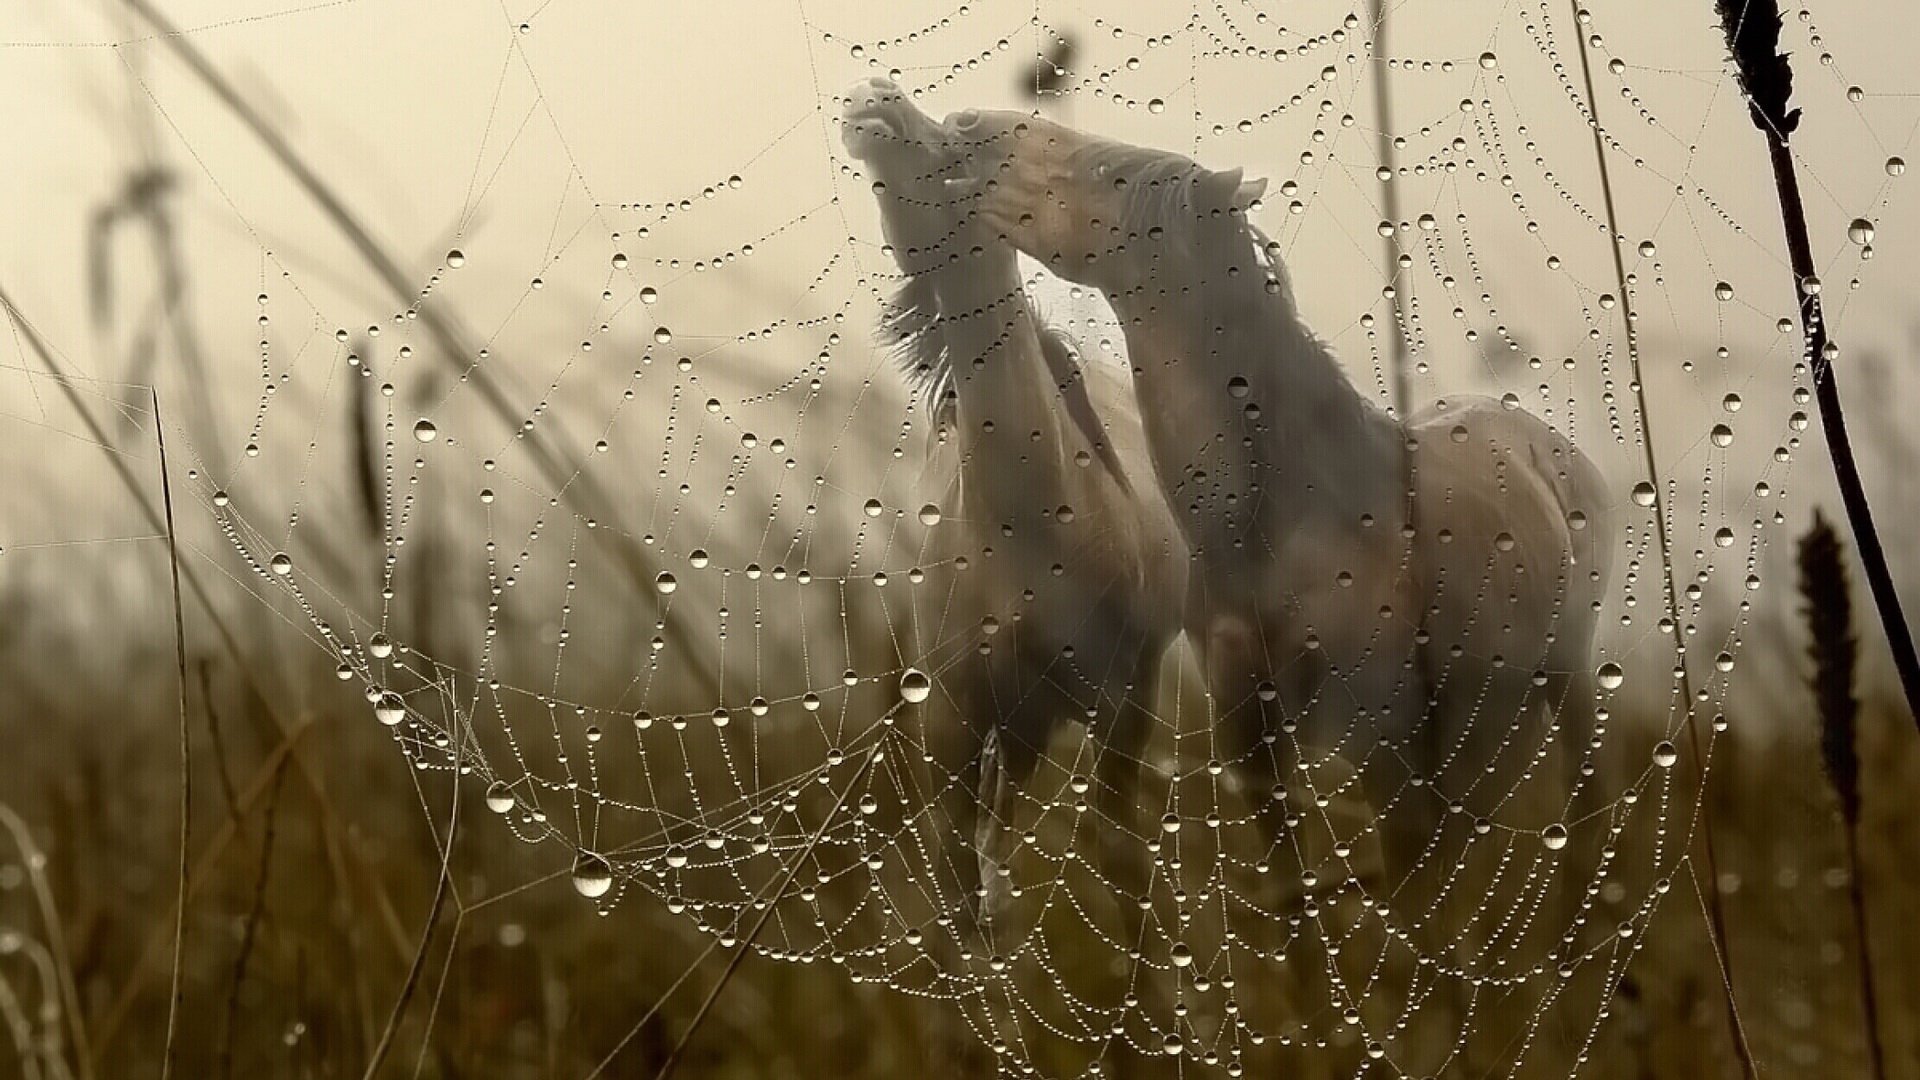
x=1439, y=636
x=1075, y=576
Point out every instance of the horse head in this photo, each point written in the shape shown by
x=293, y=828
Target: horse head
x=1096, y=211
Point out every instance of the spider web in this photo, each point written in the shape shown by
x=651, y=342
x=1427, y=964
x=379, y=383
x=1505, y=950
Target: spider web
x=627, y=521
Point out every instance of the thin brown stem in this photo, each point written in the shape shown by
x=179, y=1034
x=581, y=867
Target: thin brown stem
x=1752, y=29
x=1716, y=903
x=440, y=890
x=186, y=746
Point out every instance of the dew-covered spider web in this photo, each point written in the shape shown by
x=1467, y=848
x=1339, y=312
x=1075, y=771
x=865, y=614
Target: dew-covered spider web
x=622, y=509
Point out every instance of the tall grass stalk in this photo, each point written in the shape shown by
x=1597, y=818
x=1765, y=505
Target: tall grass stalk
x=1752, y=29
x=1715, y=902
x=36, y=867
x=1829, y=614
x=573, y=485
x=177, y=992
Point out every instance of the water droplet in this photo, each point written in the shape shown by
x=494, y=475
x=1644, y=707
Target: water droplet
x=281, y=563
x=619, y=260
x=873, y=508
x=1554, y=836
x=915, y=687
x=929, y=515
x=1722, y=435
x=1156, y=106
x=1237, y=387
x=456, y=258
x=380, y=646
x=1643, y=493
x=664, y=583
x=1180, y=954
x=499, y=797
x=1489, y=61
x=592, y=875
x=424, y=430
x=1860, y=231
x=1896, y=165
x=1428, y=222
x=1610, y=675
x=389, y=709
x=1723, y=291
x=1170, y=823
x=1647, y=249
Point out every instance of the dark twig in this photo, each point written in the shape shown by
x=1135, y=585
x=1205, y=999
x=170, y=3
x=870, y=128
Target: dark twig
x=1829, y=614
x=1716, y=903
x=1752, y=29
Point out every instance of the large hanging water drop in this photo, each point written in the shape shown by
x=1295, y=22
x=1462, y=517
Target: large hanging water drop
x=592, y=875
x=1610, y=676
x=390, y=709
x=915, y=687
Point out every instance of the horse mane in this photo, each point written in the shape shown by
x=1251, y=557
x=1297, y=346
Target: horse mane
x=913, y=323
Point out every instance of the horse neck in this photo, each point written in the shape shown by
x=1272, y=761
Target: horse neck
x=1316, y=446
x=1001, y=380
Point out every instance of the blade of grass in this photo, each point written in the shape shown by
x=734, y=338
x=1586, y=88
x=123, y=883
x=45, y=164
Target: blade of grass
x=35, y=864
x=1716, y=903
x=186, y=747
x=440, y=889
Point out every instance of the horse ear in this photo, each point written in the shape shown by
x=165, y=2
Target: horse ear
x=1227, y=190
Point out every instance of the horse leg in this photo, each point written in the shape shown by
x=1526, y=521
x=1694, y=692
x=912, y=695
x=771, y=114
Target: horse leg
x=1122, y=851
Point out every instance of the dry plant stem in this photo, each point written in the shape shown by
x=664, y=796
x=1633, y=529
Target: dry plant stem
x=1835, y=653
x=35, y=863
x=256, y=910
x=1716, y=904
x=746, y=945
x=1869, y=999
x=576, y=487
x=1833, y=423
x=1423, y=673
x=289, y=733
x=186, y=745
x=1752, y=30
x=440, y=889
